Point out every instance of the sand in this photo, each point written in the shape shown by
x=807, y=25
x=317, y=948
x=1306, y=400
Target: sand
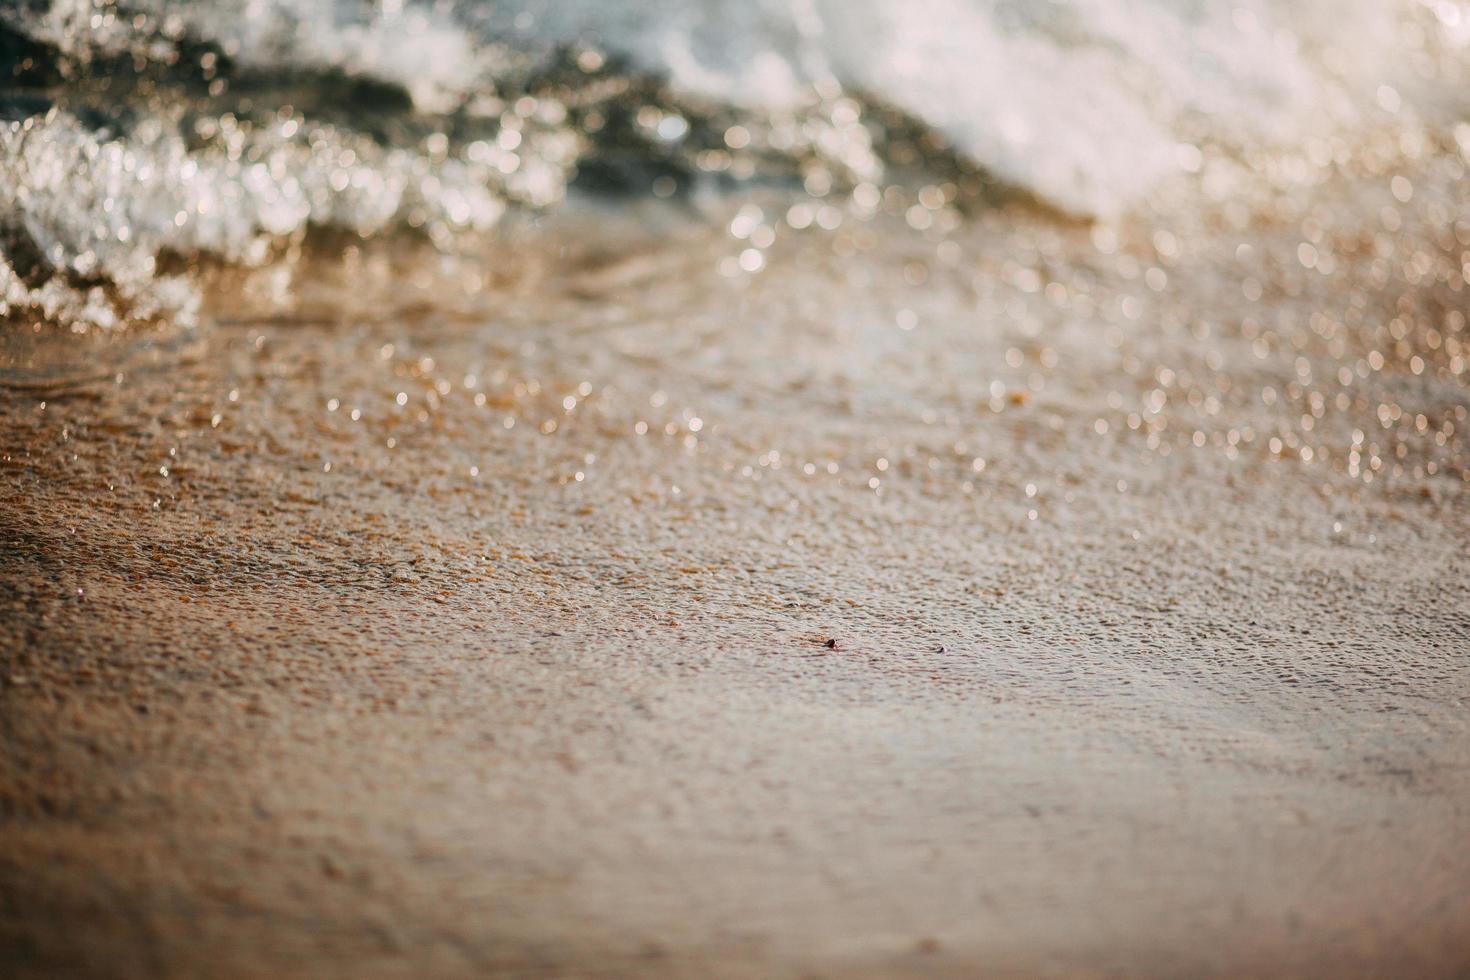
x=923, y=604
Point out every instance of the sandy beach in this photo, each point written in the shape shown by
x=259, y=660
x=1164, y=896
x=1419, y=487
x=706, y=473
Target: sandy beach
x=1018, y=600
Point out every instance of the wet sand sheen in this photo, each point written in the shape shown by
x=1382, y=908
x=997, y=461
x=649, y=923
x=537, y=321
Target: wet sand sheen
x=489, y=635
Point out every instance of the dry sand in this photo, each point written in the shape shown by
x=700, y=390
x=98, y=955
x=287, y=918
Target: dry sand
x=484, y=680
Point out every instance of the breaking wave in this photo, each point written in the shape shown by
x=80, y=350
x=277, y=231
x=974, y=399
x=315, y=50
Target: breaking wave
x=137, y=138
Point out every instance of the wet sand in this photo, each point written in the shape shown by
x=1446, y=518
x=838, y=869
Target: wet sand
x=477, y=618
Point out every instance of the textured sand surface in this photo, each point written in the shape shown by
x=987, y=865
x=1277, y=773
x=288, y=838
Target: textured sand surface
x=523, y=669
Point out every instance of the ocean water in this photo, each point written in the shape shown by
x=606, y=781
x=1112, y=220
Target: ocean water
x=140, y=142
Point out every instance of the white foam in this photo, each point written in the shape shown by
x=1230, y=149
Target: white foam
x=106, y=208
x=1081, y=101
